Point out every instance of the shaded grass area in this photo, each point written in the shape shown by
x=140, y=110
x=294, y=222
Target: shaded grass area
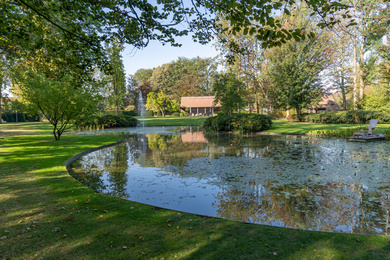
x=46, y=213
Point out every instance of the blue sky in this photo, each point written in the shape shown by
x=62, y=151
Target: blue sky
x=155, y=54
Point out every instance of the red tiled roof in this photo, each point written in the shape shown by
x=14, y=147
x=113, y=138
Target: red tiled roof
x=206, y=101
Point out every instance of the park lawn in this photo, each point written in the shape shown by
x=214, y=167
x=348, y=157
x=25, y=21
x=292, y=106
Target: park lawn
x=278, y=126
x=45, y=213
x=285, y=126
x=173, y=121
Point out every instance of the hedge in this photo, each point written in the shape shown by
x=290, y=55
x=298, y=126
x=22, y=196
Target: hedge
x=348, y=117
x=22, y=117
x=238, y=122
x=106, y=121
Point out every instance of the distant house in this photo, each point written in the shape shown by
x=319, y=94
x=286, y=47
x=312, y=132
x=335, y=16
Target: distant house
x=199, y=106
x=326, y=104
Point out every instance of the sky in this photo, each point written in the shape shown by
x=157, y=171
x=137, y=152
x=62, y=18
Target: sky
x=155, y=54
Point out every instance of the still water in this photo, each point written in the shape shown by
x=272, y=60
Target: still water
x=285, y=181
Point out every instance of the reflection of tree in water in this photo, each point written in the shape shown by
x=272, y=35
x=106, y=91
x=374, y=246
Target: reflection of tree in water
x=105, y=170
x=292, y=182
x=333, y=207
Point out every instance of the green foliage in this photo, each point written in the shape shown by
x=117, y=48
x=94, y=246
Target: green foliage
x=160, y=105
x=238, y=122
x=230, y=92
x=182, y=114
x=149, y=113
x=116, y=90
x=184, y=77
x=106, y=121
x=58, y=93
x=175, y=114
x=295, y=68
x=342, y=133
x=22, y=117
x=348, y=117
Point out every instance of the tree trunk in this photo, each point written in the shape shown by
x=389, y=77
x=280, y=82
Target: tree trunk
x=354, y=94
x=343, y=92
x=1, y=99
x=361, y=71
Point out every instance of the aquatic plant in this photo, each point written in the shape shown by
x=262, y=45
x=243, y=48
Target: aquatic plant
x=334, y=133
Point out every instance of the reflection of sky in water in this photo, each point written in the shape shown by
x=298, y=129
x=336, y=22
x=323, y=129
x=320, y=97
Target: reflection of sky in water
x=313, y=184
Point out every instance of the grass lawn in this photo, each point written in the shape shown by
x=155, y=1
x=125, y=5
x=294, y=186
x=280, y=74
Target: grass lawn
x=173, y=121
x=46, y=213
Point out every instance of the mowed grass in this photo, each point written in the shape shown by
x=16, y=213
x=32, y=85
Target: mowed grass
x=284, y=126
x=45, y=213
x=173, y=121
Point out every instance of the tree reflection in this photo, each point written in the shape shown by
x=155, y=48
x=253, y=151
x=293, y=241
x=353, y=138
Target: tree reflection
x=297, y=182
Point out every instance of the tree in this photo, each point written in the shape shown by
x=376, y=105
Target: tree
x=60, y=99
x=142, y=75
x=229, y=91
x=296, y=67
x=3, y=80
x=159, y=103
x=83, y=25
x=131, y=92
x=117, y=90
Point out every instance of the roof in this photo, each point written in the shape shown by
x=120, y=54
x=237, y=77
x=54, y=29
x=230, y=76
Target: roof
x=329, y=103
x=205, y=101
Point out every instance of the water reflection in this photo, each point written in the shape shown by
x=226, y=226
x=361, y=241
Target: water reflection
x=296, y=182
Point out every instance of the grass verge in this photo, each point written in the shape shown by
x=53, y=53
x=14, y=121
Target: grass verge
x=173, y=121
x=46, y=213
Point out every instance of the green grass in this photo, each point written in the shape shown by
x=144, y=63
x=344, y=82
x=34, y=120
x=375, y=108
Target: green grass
x=278, y=126
x=173, y=121
x=284, y=126
x=46, y=213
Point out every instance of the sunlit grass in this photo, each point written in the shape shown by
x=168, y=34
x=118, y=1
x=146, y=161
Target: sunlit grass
x=46, y=213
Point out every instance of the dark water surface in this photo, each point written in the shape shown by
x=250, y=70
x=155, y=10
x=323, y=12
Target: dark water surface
x=284, y=181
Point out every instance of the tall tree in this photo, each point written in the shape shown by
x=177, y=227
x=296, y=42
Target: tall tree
x=116, y=75
x=142, y=75
x=296, y=67
x=131, y=92
x=230, y=92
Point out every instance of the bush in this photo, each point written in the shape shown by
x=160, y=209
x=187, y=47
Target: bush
x=175, y=114
x=149, y=113
x=106, y=121
x=183, y=114
x=22, y=117
x=238, y=122
x=348, y=117
x=129, y=113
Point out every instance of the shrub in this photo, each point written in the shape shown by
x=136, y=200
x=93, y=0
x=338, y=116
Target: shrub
x=348, y=117
x=175, y=114
x=106, y=121
x=183, y=114
x=149, y=113
x=22, y=117
x=129, y=113
x=238, y=122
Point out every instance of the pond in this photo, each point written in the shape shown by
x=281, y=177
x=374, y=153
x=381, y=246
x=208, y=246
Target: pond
x=284, y=181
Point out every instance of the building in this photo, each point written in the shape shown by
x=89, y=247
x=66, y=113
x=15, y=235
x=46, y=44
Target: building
x=199, y=106
x=326, y=104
